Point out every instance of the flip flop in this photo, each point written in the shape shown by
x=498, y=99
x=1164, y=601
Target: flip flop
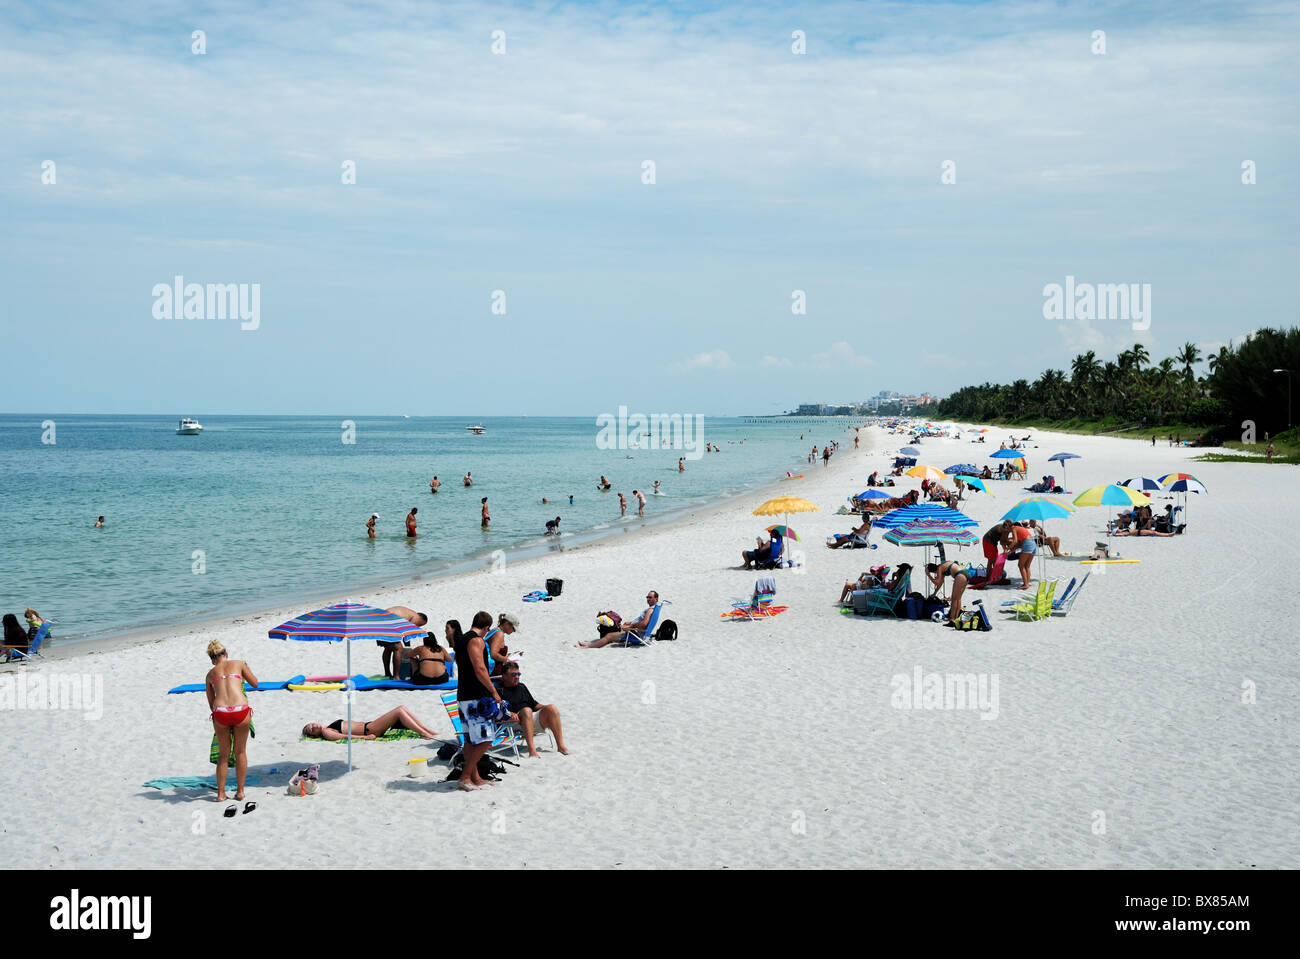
x=249, y=807
x=229, y=813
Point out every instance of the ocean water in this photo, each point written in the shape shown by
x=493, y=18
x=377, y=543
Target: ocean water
x=263, y=510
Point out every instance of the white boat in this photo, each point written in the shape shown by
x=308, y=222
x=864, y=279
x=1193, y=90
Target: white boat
x=189, y=427
x=477, y=430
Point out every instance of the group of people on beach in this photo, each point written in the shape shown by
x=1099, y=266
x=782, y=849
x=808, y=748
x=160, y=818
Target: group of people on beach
x=17, y=641
x=488, y=689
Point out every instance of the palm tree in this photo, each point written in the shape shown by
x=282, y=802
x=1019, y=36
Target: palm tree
x=1140, y=356
x=1084, y=369
x=1189, y=355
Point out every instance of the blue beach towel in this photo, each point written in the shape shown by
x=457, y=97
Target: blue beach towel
x=194, y=782
x=264, y=688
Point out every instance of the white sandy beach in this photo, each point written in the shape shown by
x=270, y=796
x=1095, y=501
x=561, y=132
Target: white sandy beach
x=1121, y=737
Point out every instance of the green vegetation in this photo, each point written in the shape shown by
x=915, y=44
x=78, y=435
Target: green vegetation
x=1240, y=396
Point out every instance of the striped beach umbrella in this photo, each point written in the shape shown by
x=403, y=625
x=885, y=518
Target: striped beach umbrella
x=1187, y=485
x=906, y=514
x=346, y=623
x=1141, y=483
x=930, y=532
x=1174, y=477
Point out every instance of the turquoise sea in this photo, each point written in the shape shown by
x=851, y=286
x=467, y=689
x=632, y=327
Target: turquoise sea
x=262, y=510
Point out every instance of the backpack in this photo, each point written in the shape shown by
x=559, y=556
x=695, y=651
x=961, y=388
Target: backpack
x=666, y=632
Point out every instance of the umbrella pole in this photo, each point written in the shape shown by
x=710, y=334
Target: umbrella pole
x=347, y=686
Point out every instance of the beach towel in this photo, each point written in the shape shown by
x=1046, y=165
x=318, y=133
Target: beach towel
x=194, y=782
x=363, y=683
x=214, y=754
x=390, y=736
x=265, y=687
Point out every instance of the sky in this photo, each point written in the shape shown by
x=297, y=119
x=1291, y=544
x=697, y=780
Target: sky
x=522, y=169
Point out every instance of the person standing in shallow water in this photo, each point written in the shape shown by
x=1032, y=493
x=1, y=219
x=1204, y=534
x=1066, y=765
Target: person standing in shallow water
x=370, y=525
x=410, y=521
x=487, y=517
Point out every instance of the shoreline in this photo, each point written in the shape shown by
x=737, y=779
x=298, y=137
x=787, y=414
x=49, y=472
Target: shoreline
x=525, y=553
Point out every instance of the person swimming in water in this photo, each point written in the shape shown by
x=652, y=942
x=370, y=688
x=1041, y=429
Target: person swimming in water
x=370, y=525
x=99, y=523
x=603, y=485
x=469, y=479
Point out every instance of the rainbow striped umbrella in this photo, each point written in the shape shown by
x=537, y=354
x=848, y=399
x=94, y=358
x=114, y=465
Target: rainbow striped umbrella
x=930, y=532
x=1170, y=478
x=345, y=622
x=906, y=514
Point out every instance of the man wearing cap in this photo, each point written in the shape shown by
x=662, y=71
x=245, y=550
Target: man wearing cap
x=528, y=712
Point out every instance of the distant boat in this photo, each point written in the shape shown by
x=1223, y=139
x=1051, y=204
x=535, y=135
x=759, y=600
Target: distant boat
x=189, y=427
x=477, y=430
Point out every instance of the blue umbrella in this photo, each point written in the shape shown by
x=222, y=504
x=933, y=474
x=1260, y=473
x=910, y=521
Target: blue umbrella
x=1141, y=482
x=346, y=622
x=1061, y=458
x=966, y=468
x=873, y=494
x=910, y=451
x=1006, y=455
x=1037, y=509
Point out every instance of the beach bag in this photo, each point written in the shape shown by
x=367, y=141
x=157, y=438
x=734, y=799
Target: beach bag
x=666, y=632
x=554, y=586
x=973, y=619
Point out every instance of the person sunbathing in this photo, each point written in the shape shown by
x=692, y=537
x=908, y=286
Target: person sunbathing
x=399, y=718
x=870, y=579
x=903, y=571
x=857, y=537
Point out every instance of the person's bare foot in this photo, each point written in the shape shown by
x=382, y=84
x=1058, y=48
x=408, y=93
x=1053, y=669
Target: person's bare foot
x=467, y=787
x=563, y=751
x=240, y=794
x=534, y=755
x=222, y=797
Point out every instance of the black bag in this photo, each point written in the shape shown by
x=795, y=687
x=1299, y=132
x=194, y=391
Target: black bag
x=666, y=632
x=488, y=768
x=553, y=587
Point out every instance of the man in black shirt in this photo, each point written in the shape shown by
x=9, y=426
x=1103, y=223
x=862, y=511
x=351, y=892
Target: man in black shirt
x=528, y=712
x=473, y=685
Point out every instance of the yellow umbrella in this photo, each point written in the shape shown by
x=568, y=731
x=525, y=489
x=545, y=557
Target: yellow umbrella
x=784, y=506
x=927, y=472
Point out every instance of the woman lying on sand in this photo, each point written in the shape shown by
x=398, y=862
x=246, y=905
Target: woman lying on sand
x=399, y=718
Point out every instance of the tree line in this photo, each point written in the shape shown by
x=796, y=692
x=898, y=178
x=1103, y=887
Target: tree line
x=1239, y=385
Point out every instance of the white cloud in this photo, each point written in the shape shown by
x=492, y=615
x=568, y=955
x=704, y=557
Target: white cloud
x=716, y=361
x=841, y=356
x=775, y=361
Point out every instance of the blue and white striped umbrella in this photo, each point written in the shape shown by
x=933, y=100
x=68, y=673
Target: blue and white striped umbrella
x=906, y=514
x=346, y=622
x=1141, y=482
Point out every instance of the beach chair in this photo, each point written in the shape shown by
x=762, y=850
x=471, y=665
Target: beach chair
x=871, y=602
x=759, y=605
x=1036, y=608
x=1066, y=603
x=509, y=735
x=34, y=649
x=647, y=635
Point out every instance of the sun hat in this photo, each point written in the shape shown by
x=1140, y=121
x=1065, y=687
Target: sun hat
x=510, y=618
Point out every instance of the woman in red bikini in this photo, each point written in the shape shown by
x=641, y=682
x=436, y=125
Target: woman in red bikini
x=231, y=714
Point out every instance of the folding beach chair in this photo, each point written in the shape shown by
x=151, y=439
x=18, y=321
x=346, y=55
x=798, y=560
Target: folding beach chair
x=870, y=602
x=34, y=649
x=758, y=606
x=506, y=737
x=647, y=635
x=1066, y=603
x=1038, y=607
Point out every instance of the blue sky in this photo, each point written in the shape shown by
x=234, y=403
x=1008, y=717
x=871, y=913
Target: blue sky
x=522, y=172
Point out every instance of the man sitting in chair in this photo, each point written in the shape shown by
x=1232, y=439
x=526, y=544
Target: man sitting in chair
x=766, y=553
x=638, y=627
x=531, y=715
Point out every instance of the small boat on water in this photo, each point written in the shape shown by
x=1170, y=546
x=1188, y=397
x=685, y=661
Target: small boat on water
x=477, y=430
x=189, y=427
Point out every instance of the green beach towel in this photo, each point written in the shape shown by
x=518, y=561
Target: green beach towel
x=214, y=754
